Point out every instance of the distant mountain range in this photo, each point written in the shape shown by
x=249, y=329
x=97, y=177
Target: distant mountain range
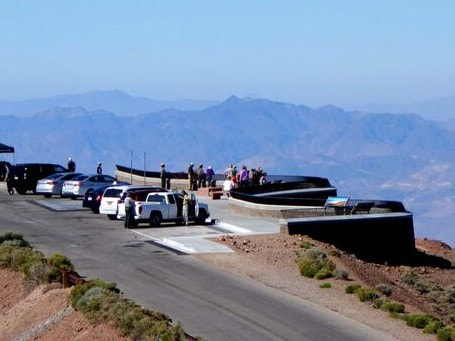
x=439, y=109
x=117, y=102
x=388, y=156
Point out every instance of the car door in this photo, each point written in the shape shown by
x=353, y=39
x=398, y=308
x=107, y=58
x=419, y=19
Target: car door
x=172, y=206
x=195, y=205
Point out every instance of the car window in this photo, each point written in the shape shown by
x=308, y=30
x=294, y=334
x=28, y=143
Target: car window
x=80, y=177
x=171, y=199
x=69, y=176
x=59, y=169
x=108, y=178
x=155, y=198
x=112, y=193
x=53, y=176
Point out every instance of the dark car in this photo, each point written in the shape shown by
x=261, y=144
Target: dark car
x=92, y=198
x=26, y=175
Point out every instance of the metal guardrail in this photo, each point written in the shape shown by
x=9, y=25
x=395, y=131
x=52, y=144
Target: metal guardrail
x=374, y=207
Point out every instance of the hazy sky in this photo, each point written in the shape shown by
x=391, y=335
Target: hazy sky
x=312, y=52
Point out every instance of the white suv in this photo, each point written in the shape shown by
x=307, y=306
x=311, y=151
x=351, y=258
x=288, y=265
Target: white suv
x=112, y=202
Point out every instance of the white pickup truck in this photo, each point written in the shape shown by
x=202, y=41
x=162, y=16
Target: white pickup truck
x=167, y=207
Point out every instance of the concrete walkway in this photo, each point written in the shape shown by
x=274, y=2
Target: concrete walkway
x=196, y=238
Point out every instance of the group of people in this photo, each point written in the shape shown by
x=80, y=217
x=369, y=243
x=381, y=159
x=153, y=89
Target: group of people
x=199, y=178
x=235, y=178
x=71, y=166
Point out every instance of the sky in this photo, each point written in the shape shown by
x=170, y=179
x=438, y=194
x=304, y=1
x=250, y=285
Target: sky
x=341, y=52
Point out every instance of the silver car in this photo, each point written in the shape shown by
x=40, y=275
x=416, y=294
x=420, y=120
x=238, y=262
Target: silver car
x=52, y=184
x=79, y=185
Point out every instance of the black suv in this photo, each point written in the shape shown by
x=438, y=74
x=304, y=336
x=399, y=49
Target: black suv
x=26, y=175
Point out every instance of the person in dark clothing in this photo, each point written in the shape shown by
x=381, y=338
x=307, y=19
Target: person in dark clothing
x=191, y=176
x=209, y=173
x=163, y=176
x=200, y=176
x=99, y=169
x=71, y=165
x=129, y=211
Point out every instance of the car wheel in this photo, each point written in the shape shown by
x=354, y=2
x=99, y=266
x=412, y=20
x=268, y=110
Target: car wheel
x=155, y=220
x=112, y=216
x=201, y=218
x=47, y=195
x=95, y=210
x=21, y=190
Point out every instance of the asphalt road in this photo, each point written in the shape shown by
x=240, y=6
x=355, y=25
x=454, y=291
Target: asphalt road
x=208, y=302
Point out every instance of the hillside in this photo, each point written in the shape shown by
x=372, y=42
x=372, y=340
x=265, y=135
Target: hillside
x=44, y=314
x=116, y=101
x=388, y=156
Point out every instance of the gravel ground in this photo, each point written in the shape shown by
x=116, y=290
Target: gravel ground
x=271, y=259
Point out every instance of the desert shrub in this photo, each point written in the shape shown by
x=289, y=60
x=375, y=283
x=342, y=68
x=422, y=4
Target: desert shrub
x=393, y=307
x=61, y=262
x=324, y=273
x=433, y=326
x=379, y=302
x=396, y=315
x=384, y=289
x=79, y=290
x=341, y=274
x=90, y=301
x=58, y=262
x=305, y=245
x=36, y=275
x=14, y=238
x=20, y=258
x=325, y=285
x=101, y=301
x=366, y=294
x=315, y=263
x=446, y=334
x=352, y=288
x=414, y=280
x=418, y=321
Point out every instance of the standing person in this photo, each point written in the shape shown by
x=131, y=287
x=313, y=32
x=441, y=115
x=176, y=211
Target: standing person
x=234, y=176
x=243, y=177
x=163, y=175
x=9, y=179
x=200, y=176
x=191, y=175
x=129, y=211
x=228, y=172
x=185, y=207
x=209, y=173
x=263, y=179
x=99, y=169
x=71, y=165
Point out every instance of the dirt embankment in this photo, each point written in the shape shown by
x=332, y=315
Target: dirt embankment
x=44, y=314
x=271, y=259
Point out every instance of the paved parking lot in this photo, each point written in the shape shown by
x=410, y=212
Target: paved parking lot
x=187, y=239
